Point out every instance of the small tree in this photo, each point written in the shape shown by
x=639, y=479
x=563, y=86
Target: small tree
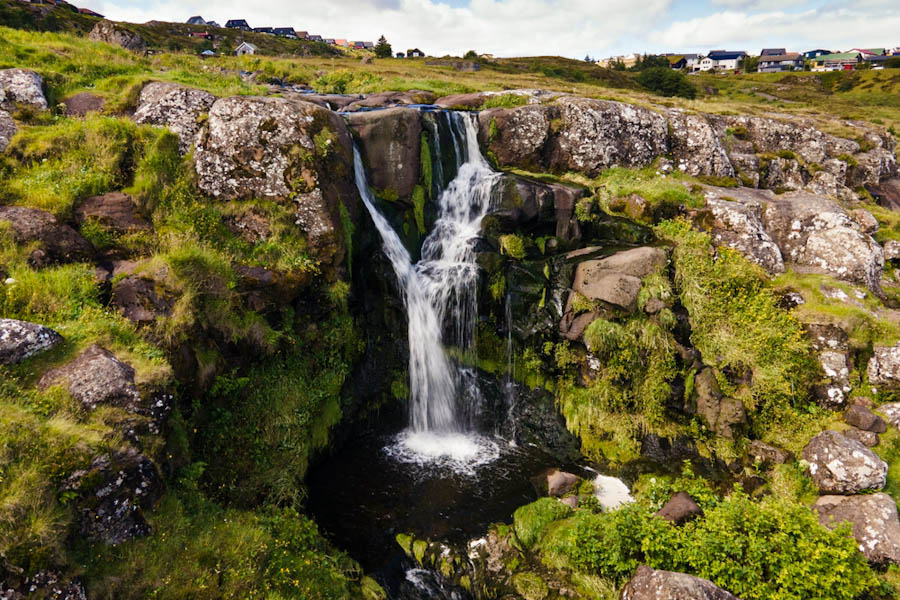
x=382, y=48
x=587, y=58
x=471, y=55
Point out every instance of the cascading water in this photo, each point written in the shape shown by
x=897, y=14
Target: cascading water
x=440, y=294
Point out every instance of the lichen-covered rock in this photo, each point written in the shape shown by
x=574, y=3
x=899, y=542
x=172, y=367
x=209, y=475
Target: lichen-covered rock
x=873, y=517
x=385, y=99
x=84, y=103
x=21, y=87
x=814, y=232
x=825, y=183
x=285, y=149
x=649, y=584
x=117, y=35
x=775, y=135
x=96, y=377
x=766, y=454
x=872, y=167
x=891, y=250
x=891, y=412
x=746, y=167
x=174, y=106
x=390, y=144
x=58, y=241
x=831, y=346
x=115, y=211
x=20, y=340
x=869, y=439
x=112, y=495
x=884, y=366
x=8, y=130
x=783, y=174
x=696, y=147
x=839, y=465
x=517, y=136
x=739, y=225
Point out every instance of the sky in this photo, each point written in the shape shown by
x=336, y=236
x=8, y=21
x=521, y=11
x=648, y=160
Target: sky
x=570, y=28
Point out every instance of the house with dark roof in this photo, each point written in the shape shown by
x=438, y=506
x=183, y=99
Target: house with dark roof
x=400, y=55
x=773, y=52
x=198, y=20
x=90, y=13
x=358, y=45
x=723, y=60
x=314, y=38
x=287, y=32
x=683, y=61
x=812, y=54
x=302, y=35
x=238, y=24
x=212, y=24
x=791, y=61
x=369, y=45
x=415, y=53
x=267, y=30
x=329, y=41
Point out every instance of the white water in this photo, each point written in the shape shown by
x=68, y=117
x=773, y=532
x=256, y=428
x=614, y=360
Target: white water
x=440, y=293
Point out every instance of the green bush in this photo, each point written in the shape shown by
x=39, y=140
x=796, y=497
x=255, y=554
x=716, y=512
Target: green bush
x=667, y=82
x=531, y=520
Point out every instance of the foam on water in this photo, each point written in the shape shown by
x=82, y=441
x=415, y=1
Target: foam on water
x=611, y=492
x=458, y=452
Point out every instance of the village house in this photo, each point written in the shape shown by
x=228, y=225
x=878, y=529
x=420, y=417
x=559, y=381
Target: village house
x=773, y=52
x=329, y=41
x=266, y=30
x=683, y=61
x=358, y=45
x=212, y=24
x=198, y=20
x=314, y=38
x=341, y=43
x=839, y=61
x=90, y=13
x=813, y=54
x=415, y=53
x=400, y=55
x=301, y=35
x=369, y=45
x=245, y=48
x=774, y=63
x=237, y=24
x=723, y=60
x=286, y=32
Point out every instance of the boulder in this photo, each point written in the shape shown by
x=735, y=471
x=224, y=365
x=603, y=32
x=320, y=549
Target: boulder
x=873, y=517
x=140, y=299
x=783, y=174
x=285, y=149
x=721, y=414
x=559, y=483
x=739, y=225
x=58, y=241
x=891, y=412
x=891, y=250
x=385, y=99
x=832, y=393
x=112, y=494
x=867, y=223
x=815, y=233
x=84, y=103
x=679, y=509
x=746, y=167
x=871, y=168
x=863, y=418
x=868, y=439
x=884, y=366
x=775, y=135
x=696, y=147
x=21, y=87
x=471, y=101
x=390, y=145
x=96, y=377
x=516, y=136
x=616, y=279
x=115, y=210
x=174, y=106
x=117, y=35
x=20, y=340
x=8, y=130
x=839, y=465
x=766, y=454
x=886, y=193
x=649, y=584
x=337, y=102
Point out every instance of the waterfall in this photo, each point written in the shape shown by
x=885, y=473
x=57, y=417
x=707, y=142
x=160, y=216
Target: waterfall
x=440, y=291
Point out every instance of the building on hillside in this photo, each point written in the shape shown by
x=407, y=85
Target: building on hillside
x=400, y=55
x=840, y=61
x=723, y=60
x=314, y=38
x=301, y=35
x=877, y=62
x=341, y=42
x=238, y=24
x=813, y=54
x=415, y=53
x=212, y=24
x=329, y=41
x=791, y=61
x=245, y=48
x=90, y=13
x=369, y=45
x=683, y=61
x=266, y=30
x=286, y=32
x=868, y=51
x=358, y=45
x=198, y=20
x=773, y=52
x=628, y=60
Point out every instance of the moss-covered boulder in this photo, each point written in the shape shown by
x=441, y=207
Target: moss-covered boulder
x=178, y=107
x=21, y=87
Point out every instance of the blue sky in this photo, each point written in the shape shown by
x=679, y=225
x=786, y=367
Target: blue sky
x=570, y=28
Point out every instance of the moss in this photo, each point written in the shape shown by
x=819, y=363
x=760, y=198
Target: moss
x=418, y=199
x=498, y=286
x=418, y=550
x=371, y=590
x=512, y=245
x=847, y=158
x=493, y=131
x=530, y=586
x=425, y=166
x=504, y=101
x=531, y=520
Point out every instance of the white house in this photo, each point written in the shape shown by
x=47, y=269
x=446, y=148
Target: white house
x=724, y=60
x=245, y=48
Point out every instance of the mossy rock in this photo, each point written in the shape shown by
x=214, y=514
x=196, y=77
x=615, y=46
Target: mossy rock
x=530, y=586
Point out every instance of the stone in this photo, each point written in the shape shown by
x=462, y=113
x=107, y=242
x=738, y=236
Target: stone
x=746, y=167
x=336, y=102
x=867, y=223
x=516, y=136
x=826, y=336
x=884, y=366
x=117, y=35
x=739, y=226
x=96, y=377
x=721, y=414
x=769, y=135
x=696, y=147
x=616, y=279
x=868, y=439
x=873, y=518
x=832, y=393
x=58, y=241
x=871, y=168
x=839, y=465
x=8, y=130
x=649, y=584
x=891, y=250
x=175, y=106
x=679, y=509
x=386, y=99
x=389, y=141
x=559, y=483
x=886, y=193
x=891, y=412
x=813, y=232
x=570, y=501
x=115, y=210
x=21, y=87
x=112, y=494
x=783, y=174
x=825, y=183
x=471, y=101
x=20, y=340
x=863, y=418
x=766, y=454
x=140, y=299
x=84, y=103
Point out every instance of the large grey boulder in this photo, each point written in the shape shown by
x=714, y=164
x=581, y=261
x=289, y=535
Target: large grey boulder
x=775, y=135
x=891, y=412
x=516, y=137
x=872, y=167
x=96, y=377
x=390, y=142
x=8, y=130
x=20, y=340
x=174, y=106
x=21, y=87
x=873, y=517
x=386, y=99
x=696, y=146
x=783, y=174
x=649, y=584
x=884, y=366
x=58, y=241
x=815, y=233
x=739, y=225
x=839, y=465
x=616, y=279
x=117, y=35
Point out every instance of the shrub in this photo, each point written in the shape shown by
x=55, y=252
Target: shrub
x=530, y=521
x=667, y=82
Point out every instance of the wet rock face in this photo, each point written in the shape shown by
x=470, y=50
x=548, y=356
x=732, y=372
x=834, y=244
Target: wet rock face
x=839, y=465
x=59, y=242
x=390, y=143
x=884, y=366
x=21, y=87
x=8, y=130
x=814, y=232
x=115, y=34
x=112, y=495
x=739, y=226
x=873, y=517
x=20, y=340
x=649, y=584
x=96, y=377
x=174, y=106
x=696, y=146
